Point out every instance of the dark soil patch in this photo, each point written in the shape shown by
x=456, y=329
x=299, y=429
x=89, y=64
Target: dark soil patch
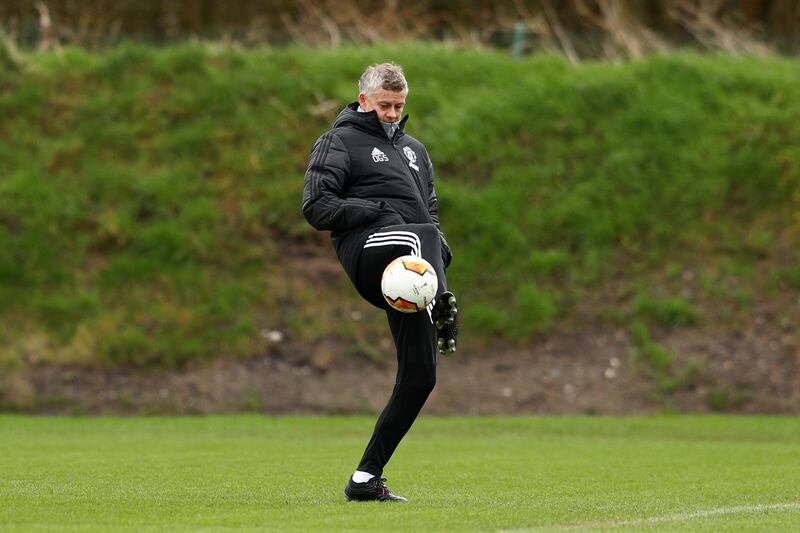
x=585, y=368
x=580, y=373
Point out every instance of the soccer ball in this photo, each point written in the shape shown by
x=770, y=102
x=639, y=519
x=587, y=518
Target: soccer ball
x=409, y=284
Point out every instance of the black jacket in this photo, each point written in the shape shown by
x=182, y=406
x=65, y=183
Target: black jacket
x=358, y=180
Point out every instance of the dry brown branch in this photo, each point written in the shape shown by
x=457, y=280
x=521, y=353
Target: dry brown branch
x=95, y=25
x=577, y=28
x=324, y=19
x=635, y=38
x=536, y=24
x=90, y=23
x=358, y=27
x=47, y=41
x=9, y=39
x=630, y=37
x=611, y=52
x=552, y=19
x=464, y=31
x=258, y=30
x=292, y=27
x=704, y=20
x=398, y=21
x=467, y=35
x=9, y=52
x=312, y=25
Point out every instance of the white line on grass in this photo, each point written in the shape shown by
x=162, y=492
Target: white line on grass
x=677, y=517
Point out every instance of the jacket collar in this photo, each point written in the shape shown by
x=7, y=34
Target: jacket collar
x=368, y=121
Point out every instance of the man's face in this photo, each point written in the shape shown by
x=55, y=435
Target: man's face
x=388, y=104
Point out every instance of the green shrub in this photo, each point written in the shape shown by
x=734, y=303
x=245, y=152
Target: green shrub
x=657, y=360
x=669, y=312
x=147, y=176
x=721, y=399
x=790, y=276
x=484, y=319
x=535, y=310
x=63, y=312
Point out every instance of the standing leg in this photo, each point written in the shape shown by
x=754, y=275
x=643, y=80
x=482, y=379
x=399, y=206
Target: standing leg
x=416, y=377
x=414, y=336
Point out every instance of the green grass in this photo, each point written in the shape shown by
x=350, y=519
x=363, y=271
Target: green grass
x=256, y=473
x=148, y=195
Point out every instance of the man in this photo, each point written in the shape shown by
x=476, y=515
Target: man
x=371, y=185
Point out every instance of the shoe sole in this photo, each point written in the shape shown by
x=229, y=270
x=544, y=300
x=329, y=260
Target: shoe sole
x=399, y=499
x=446, y=309
x=451, y=347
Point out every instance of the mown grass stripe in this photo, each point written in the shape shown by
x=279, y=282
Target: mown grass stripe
x=675, y=517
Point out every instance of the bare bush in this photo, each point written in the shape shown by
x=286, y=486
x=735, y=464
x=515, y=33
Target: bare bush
x=714, y=27
x=616, y=29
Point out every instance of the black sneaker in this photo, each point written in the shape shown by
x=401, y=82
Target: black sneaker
x=372, y=490
x=445, y=318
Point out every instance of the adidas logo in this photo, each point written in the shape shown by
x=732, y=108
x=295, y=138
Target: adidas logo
x=378, y=156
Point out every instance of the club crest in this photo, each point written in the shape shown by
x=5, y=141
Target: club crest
x=412, y=158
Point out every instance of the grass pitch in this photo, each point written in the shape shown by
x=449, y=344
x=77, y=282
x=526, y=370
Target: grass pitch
x=256, y=473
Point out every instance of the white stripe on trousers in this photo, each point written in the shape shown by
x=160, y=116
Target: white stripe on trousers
x=414, y=251
x=396, y=237
x=403, y=238
x=398, y=233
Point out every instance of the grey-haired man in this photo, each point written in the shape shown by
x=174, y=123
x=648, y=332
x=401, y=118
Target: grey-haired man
x=371, y=185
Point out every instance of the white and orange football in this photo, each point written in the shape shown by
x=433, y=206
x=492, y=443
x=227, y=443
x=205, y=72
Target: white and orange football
x=409, y=284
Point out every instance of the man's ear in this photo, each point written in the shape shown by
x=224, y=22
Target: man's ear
x=362, y=100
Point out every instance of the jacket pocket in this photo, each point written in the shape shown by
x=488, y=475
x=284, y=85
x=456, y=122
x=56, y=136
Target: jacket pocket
x=389, y=217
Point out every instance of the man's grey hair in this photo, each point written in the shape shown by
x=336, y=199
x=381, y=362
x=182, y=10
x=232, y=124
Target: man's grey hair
x=388, y=76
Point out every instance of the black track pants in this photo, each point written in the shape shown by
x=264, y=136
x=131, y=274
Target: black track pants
x=414, y=335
